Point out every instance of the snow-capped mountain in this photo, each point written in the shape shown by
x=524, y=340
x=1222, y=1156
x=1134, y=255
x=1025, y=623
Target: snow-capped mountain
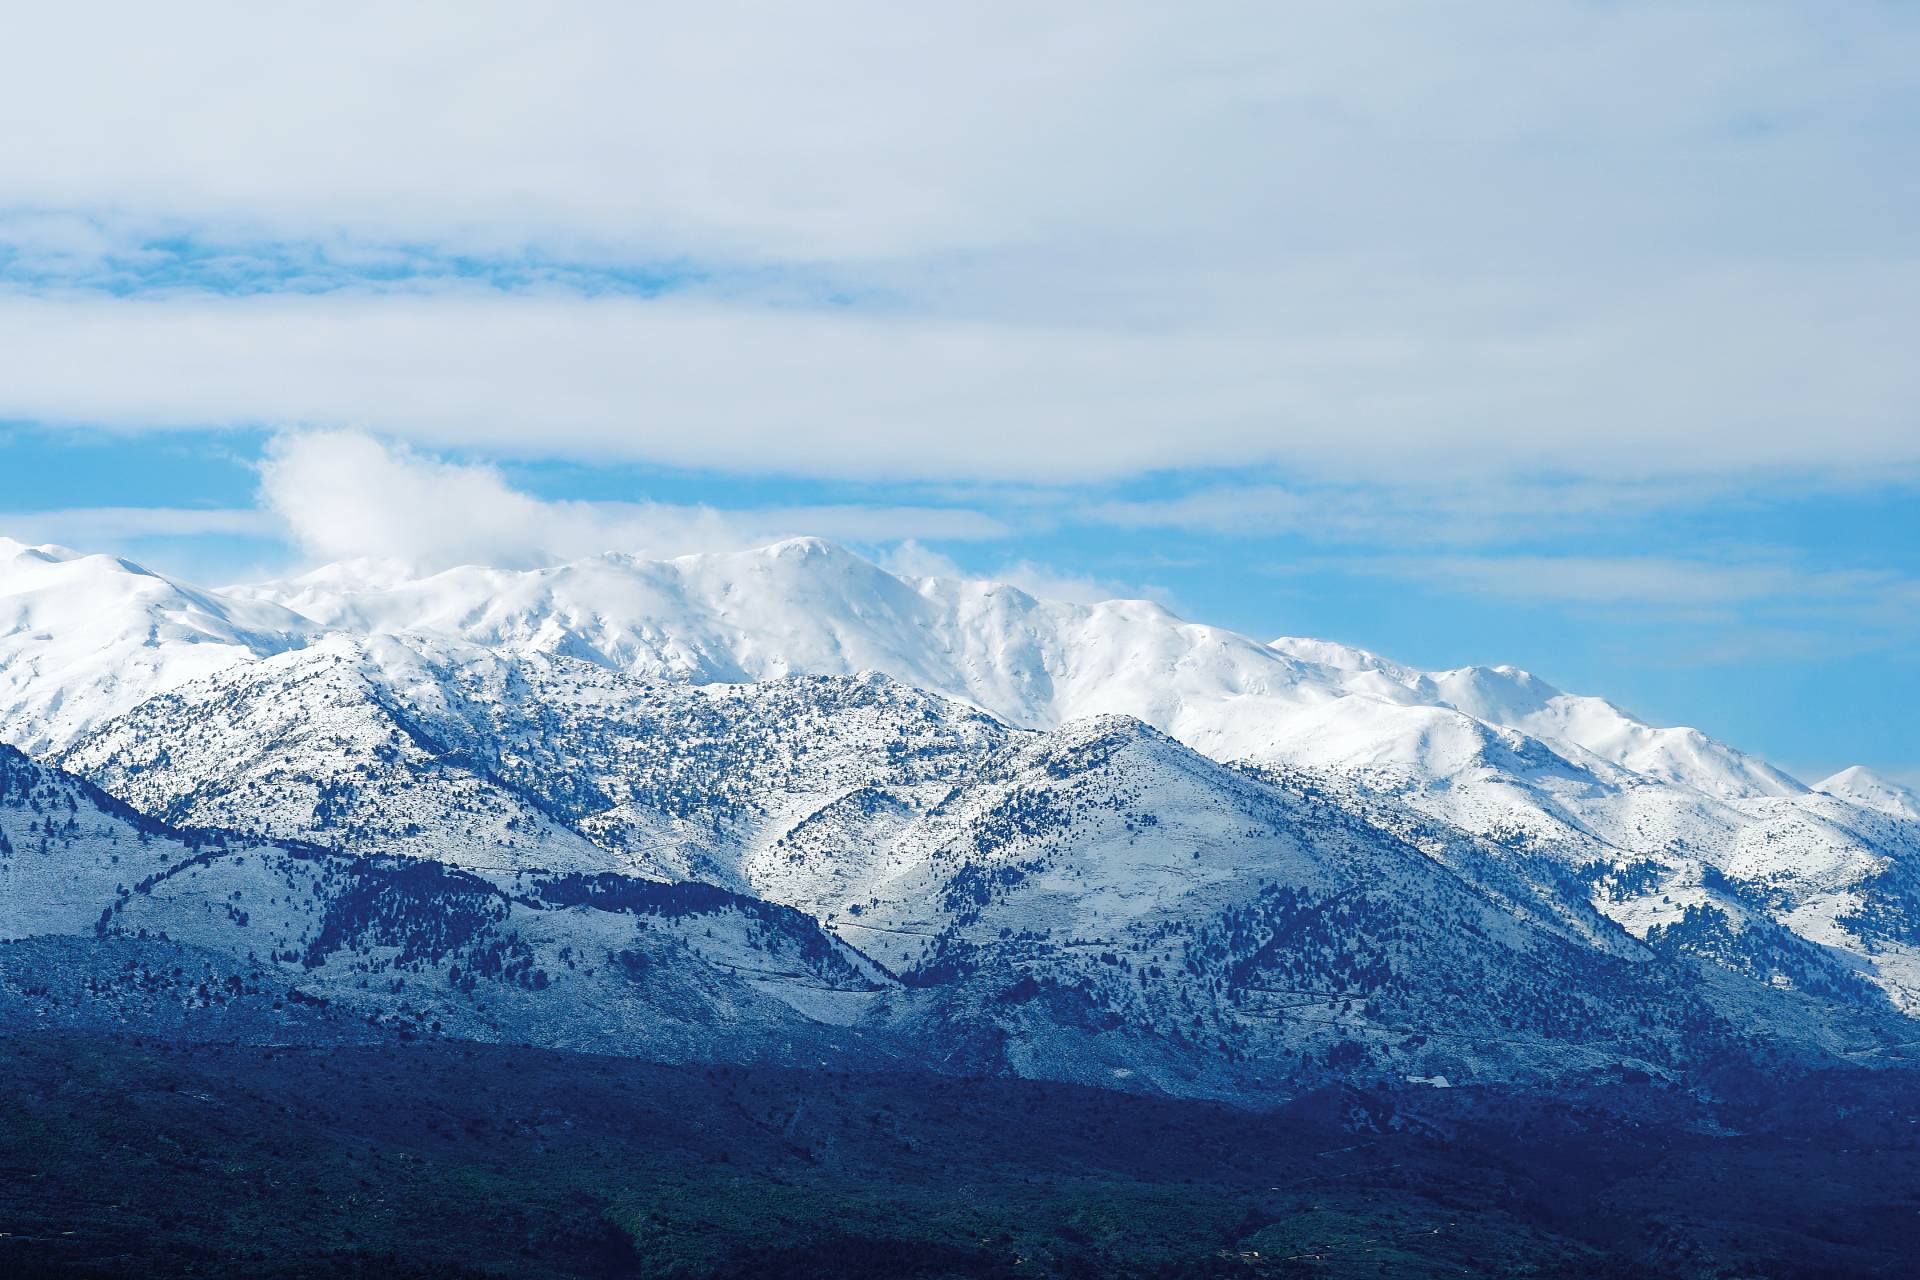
x=1516, y=699
x=831, y=793
x=1097, y=904
x=804, y=606
x=442, y=750
x=1492, y=750
x=1869, y=790
x=83, y=637
x=1086, y=842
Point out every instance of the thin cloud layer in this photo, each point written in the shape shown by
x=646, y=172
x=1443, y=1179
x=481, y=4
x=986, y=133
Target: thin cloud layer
x=1862, y=608
x=728, y=387
x=91, y=526
x=1366, y=240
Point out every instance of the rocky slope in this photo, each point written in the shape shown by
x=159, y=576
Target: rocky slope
x=114, y=919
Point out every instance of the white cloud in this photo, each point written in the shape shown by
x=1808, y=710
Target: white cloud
x=830, y=393
x=345, y=495
x=880, y=131
x=913, y=559
x=1048, y=583
x=749, y=128
x=1378, y=239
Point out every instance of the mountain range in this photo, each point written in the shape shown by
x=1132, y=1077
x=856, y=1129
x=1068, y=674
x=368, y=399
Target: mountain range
x=783, y=805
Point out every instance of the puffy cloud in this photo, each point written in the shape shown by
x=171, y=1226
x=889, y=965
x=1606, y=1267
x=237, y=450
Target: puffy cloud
x=346, y=495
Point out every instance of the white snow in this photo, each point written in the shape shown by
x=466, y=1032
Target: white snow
x=1862, y=786
x=84, y=637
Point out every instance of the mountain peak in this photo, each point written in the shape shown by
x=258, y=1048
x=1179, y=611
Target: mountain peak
x=788, y=548
x=85, y=637
x=1862, y=786
x=12, y=550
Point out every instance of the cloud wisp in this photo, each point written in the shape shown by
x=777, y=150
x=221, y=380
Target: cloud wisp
x=1752, y=603
x=91, y=526
x=913, y=559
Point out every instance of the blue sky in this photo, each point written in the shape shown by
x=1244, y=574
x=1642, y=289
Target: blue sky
x=1571, y=335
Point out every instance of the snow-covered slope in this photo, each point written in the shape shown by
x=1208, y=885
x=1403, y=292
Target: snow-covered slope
x=806, y=606
x=309, y=745
x=440, y=750
x=1097, y=904
x=1516, y=699
x=139, y=923
x=805, y=790
x=84, y=637
x=1869, y=790
x=1100, y=902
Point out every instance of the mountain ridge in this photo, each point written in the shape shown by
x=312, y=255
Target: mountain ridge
x=1217, y=686
x=1093, y=843
x=741, y=616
